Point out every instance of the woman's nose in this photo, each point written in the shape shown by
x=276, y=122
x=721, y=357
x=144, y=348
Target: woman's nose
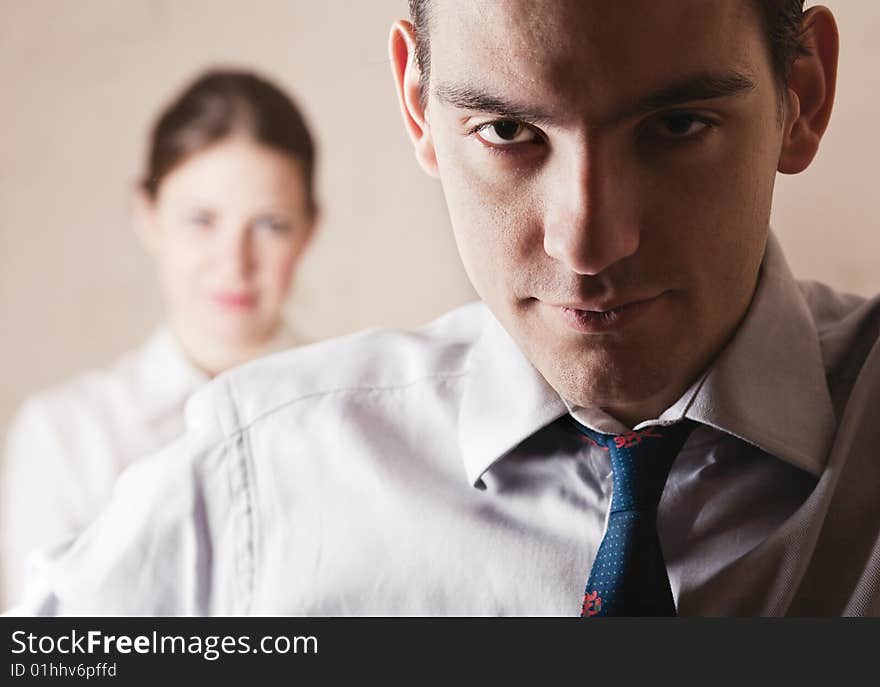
x=237, y=253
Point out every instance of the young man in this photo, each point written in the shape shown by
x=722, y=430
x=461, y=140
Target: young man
x=645, y=401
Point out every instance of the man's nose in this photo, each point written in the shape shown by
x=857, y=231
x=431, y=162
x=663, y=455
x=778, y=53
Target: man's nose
x=590, y=218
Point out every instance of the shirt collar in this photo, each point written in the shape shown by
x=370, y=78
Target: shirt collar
x=767, y=386
x=505, y=400
x=164, y=370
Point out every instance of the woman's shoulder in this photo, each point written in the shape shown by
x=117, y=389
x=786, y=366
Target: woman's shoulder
x=87, y=388
x=100, y=398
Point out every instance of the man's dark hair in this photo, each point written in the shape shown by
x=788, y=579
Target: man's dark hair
x=782, y=20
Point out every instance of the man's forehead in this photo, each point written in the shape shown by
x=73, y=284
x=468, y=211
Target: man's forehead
x=594, y=49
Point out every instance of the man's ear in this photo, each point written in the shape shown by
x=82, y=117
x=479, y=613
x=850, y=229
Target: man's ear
x=143, y=211
x=405, y=69
x=810, y=93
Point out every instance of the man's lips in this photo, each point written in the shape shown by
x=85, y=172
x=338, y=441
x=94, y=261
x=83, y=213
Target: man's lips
x=597, y=317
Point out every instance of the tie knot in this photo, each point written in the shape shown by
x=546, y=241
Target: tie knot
x=640, y=462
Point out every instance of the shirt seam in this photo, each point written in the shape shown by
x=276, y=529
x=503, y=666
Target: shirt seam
x=342, y=390
x=241, y=492
x=242, y=470
x=250, y=535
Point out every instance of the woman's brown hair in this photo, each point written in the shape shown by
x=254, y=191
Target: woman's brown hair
x=221, y=103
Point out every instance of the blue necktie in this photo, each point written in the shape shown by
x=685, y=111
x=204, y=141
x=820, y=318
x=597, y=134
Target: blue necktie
x=629, y=576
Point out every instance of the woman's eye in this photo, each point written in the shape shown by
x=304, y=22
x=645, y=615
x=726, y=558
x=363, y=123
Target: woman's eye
x=680, y=126
x=201, y=219
x=271, y=223
x=506, y=132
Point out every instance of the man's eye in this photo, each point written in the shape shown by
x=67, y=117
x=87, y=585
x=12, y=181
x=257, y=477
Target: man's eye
x=680, y=125
x=505, y=132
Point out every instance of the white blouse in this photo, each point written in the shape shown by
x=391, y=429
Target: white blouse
x=67, y=445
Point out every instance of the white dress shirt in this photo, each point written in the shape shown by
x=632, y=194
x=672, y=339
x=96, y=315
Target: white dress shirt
x=67, y=445
x=434, y=473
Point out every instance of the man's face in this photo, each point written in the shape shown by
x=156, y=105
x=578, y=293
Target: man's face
x=608, y=168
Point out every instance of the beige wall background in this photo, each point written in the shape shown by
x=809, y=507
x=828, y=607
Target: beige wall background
x=83, y=79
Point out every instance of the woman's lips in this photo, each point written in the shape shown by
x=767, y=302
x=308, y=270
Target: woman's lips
x=234, y=300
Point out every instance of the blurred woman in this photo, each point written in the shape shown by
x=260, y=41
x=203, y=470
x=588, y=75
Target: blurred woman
x=226, y=209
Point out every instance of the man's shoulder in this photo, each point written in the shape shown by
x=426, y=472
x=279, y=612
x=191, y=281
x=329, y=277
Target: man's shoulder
x=832, y=309
x=373, y=361
x=847, y=325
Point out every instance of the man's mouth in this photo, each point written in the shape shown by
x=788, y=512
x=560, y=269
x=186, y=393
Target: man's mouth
x=603, y=317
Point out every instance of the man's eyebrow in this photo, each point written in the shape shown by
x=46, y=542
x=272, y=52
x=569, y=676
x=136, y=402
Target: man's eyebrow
x=706, y=86
x=470, y=98
x=697, y=87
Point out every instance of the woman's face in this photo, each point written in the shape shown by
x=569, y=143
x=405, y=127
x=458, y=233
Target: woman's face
x=227, y=228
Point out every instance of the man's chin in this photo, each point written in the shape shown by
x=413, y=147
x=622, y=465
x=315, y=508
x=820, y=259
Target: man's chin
x=599, y=380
